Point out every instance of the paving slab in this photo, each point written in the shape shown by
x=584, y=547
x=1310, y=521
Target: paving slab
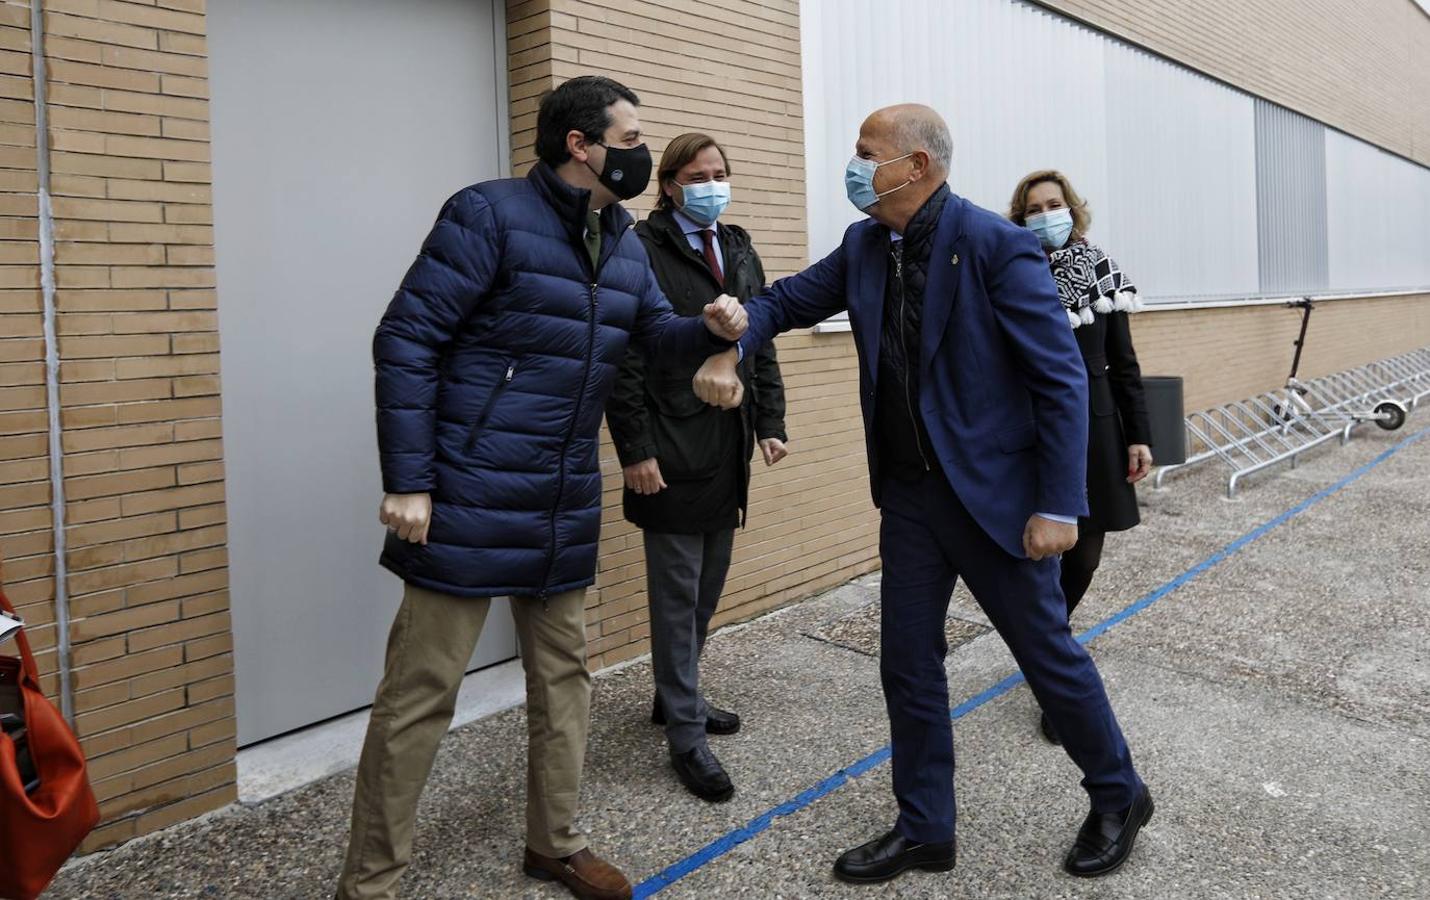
x=1277, y=701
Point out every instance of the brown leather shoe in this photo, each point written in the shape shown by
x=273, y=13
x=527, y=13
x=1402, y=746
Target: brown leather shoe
x=584, y=873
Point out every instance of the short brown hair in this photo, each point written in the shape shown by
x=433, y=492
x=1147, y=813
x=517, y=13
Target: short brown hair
x=678, y=154
x=1017, y=207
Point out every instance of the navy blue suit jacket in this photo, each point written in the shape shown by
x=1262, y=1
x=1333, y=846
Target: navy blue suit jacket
x=1003, y=388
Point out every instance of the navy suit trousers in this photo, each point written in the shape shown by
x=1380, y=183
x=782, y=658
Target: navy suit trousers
x=927, y=541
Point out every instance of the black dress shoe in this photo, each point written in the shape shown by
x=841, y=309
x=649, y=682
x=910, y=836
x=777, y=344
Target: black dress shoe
x=1105, y=839
x=702, y=774
x=889, y=856
x=717, y=721
x=1050, y=734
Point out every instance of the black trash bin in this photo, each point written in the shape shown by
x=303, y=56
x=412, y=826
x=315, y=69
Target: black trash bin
x=1166, y=418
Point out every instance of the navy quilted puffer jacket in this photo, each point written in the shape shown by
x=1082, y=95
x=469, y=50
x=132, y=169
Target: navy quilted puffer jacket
x=494, y=361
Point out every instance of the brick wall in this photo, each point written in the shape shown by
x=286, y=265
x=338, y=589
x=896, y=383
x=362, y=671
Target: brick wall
x=1357, y=66
x=139, y=399
x=811, y=524
x=1236, y=352
x=748, y=96
x=26, y=524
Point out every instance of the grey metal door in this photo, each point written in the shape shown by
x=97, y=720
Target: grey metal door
x=339, y=127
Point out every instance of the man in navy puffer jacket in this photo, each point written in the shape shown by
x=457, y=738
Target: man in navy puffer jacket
x=494, y=361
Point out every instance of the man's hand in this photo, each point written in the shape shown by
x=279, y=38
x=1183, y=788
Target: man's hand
x=644, y=477
x=407, y=515
x=1139, y=462
x=726, y=318
x=1044, y=537
x=717, y=382
x=774, y=450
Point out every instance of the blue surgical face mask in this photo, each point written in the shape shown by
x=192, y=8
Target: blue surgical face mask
x=704, y=201
x=1052, y=227
x=859, y=181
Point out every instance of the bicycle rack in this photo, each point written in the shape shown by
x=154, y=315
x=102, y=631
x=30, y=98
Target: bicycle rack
x=1274, y=427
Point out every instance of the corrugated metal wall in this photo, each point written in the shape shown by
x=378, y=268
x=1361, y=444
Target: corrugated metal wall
x=1202, y=192
x=1378, y=216
x=1181, y=150
x=1290, y=201
x=1019, y=90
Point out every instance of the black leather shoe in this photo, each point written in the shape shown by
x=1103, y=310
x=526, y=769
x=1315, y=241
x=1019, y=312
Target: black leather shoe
x=717, y=721
x=702, y=774
x=1105, y=839
x=1050, y=734
x=891, y=855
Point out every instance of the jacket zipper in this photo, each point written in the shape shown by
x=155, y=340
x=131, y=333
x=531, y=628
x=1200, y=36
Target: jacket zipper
x=576, y=414
x=566, y=444
x=491, y=404
x=904, y=340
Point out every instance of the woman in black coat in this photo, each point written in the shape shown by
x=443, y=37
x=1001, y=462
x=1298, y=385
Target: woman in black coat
x=1098, y=298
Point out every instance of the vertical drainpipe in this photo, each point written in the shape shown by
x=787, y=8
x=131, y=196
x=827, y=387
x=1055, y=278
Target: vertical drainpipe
x=52, y=357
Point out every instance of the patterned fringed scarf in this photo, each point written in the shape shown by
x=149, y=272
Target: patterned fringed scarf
x=1090, y=283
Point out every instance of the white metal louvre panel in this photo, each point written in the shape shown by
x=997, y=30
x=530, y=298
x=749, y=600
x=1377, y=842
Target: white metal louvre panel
x=1202, y=192
x=1290, y=200
x=1165, y=157
x=995, y=70
x=1378, y=217
x=1180, y=211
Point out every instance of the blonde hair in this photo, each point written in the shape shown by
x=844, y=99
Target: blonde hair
x=679, y=153
x=1018, y=206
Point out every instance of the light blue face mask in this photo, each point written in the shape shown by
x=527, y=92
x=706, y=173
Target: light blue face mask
x=704, y=201
x=859, y=181
x=1051, y=227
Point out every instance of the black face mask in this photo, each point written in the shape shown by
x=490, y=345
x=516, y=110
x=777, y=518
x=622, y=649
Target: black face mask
x=627, y=170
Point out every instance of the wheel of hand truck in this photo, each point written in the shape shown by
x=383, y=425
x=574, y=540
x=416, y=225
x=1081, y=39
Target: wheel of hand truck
x=1391, y=414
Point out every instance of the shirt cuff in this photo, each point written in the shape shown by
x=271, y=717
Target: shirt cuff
x=741, y=348
x=1066, y=520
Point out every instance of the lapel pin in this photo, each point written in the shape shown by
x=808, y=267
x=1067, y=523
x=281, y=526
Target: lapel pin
x=955, y=259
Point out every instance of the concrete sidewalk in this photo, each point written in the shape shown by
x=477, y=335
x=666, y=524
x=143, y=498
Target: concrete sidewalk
x=1277, y=700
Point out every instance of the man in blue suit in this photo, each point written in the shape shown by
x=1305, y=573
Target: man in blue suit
x=975, y=412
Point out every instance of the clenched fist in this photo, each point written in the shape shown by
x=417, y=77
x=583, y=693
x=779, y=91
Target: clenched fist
x=407, y=515
x=1139, y=462
x=644, y=477
x=717, y=382
x=726, y=318
x=774, y=450
x=1044, y=537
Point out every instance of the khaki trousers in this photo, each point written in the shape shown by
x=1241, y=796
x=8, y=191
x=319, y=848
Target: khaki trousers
x=431, y=642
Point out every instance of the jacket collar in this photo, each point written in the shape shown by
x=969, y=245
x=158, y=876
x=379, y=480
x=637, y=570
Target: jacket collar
x=664, y=226
x=944, y=274
x=571, y=203
x=921, y=227
x=941, y=288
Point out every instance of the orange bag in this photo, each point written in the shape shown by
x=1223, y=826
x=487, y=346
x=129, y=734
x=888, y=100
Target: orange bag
x=40, y=829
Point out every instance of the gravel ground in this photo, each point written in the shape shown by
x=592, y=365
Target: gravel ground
x=1277, y=703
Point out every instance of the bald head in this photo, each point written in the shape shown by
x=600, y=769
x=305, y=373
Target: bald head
x=912, y=126
x=912, y=151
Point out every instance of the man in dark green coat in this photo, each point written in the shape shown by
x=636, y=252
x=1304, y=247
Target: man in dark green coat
x=687, y=465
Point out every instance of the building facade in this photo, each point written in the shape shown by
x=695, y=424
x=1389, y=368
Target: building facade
x=206, y=206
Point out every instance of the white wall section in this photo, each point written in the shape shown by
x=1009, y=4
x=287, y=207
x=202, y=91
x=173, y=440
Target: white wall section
x=1166, y=157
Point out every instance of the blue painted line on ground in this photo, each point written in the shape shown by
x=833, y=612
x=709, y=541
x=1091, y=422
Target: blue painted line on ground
x=727, y=842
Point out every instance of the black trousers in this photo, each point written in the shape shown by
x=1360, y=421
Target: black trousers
x=1080, y=563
